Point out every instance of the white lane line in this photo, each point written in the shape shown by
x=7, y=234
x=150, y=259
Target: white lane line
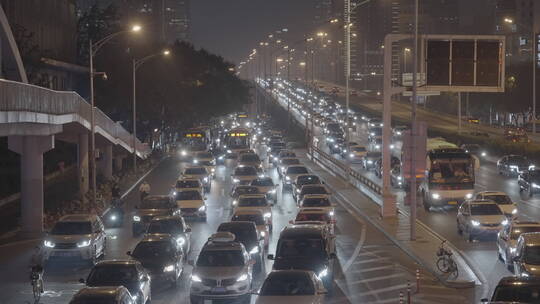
x=386, y=277
x=378, y=259
x=356, y=252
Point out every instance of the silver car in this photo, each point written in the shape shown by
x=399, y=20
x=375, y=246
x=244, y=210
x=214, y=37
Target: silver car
x=527, y=259
x=76, y=236
x=223, y=271
x=480, y=218
x=508, y=237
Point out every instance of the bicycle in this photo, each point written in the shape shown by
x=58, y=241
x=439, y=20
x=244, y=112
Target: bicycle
x=445, y=262
x=36, y=278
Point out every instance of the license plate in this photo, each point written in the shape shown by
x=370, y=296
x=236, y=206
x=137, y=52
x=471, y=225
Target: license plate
x=219, y=289
x=65, y=253
x=452, y=203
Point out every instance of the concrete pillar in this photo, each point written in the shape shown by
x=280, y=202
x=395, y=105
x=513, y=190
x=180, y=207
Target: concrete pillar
x=31, y=149
x=82, y=165
x=105, y=164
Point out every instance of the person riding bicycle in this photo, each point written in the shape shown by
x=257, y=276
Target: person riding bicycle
x=36, y=276
x=144, y=190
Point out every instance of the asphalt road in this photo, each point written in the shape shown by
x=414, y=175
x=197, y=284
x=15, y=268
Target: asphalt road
x=372, y=269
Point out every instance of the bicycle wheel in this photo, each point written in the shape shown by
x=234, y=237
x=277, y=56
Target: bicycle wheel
x=36, y=292
x=454, y=272
x=443, y=264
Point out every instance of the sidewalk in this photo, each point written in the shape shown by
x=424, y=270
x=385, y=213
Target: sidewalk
x=397, y=229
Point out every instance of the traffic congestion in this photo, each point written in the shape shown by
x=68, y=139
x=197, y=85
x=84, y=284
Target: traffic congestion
x=464, y=189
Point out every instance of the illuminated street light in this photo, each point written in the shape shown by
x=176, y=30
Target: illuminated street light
x=279, y=60
x=136, y=28
x=509, y=20
x=303, y=64
x=407, y=50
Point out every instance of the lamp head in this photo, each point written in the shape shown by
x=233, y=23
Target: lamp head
x=136, y=28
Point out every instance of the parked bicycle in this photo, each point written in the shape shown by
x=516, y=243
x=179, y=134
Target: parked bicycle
x=445, y=262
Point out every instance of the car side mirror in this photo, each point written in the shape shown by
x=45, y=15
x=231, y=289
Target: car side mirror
x=270, y=256
x=188, y=229
x=128, y=253
x=81, y=280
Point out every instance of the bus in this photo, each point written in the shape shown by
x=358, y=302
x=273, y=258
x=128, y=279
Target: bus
x=450, y=174
x=236, y=140
x=242, y=119
x=192, y=141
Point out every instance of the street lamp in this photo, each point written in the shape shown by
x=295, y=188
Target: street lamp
x=533, y=45
x=405, y=52
x=136, y=64
x=92, y=51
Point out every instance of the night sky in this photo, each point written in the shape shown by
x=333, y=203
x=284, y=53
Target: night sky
x=231, y=28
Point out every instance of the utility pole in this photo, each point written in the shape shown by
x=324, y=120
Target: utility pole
x=412, y=190
x=347, y=77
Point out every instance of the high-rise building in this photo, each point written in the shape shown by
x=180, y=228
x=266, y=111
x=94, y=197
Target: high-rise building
x=518, y=33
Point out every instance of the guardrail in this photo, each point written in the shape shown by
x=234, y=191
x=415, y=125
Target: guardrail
x=21, y=97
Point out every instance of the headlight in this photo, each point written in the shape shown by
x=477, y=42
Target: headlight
x=323, y=273
x=267, y=215
x=336, y=146
x=513, y=167
x=399, y=178
x=468, y=196
x=254, y=250
x=287, y=178
x=221, y=157
x=484, y=154
x=282, y=168
x=272, y=191
x=535, y=185
x=195, y=161
x=370, y=162
x=138, y=218
x=48, y=244
x=242, y=278
x=372, y=134
x=392, y=147
x=398, y=133
x=168, y=268
x=84, y=243
x=504, y=222
x=113, y=217
x=331, y=213
x=183, y=153
x=213, y=170
x=512, y=249
x=377, y=146
x=475, y=223
x=205, y=179
x=202, y=208
x=351, y=155
x=229, y=151
x=181, y=241
x=234, y=202
x=524, y=274
x=263, y=234
x=195, y=278
x=236, y=180
x=514, y=211
x=436, y=196
x=174, y=193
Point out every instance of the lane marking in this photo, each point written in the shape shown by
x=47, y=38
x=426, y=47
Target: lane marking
x=386, y=277
x=356, y=252
x=373, y=269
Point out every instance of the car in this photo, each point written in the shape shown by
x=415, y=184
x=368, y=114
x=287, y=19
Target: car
x=374, y=133
x=480, y=217
x=516, y=290
x=175, y=226
x=275, y=148
x=80, y=236
x=529, y=182
x=151, y=206
x=238, y=190
x=368, y=161
x=311, y=189
x=266, y=186
x=518, y=138
x=394, y=162
x=356, y=153
x=284, y=163
x=191, y=204
x=317, y=201
x=128, y=273
x=250, y=160
x=291, y=173
x=246, y=233
x=375, y=123
x=200, y=173
x=398, y=131
x=306, y=247
x=207, y=160
x=223, y=271
x=257, y=217
x=187, y=184
x=162, y=255
x=513, y=165
x=291, y=286
x=508, y=207
x=283, y=154
x=376, y=144
x=527, y=256
x=109, y=295
x=475, y=150
x=244, y=175
x=312, y=215
x=507, y=239
x=304, y=179
x=255, y=202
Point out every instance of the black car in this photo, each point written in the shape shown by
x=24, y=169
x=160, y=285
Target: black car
x=306, y=247
x=369, y=160
x=247, y=234
x=513, y=165
x=304, y=179
x=162, y=256
x=529, y=182
x=311, y=189
x=152, y=205
x=175, y=226
x=337, y=145
x=128, y=273
x=516, y=290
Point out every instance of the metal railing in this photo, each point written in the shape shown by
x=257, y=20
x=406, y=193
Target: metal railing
x=21, y=97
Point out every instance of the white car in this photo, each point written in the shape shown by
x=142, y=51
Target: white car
x=200, y=173
x=508, y=207
x=291, y=286
x=317, y=201
x=316, y=215
x=244, y=175
x=255, y=202
x=480, y=217
x=187, y=184
x=508, y=237
x=191, y=204
x=266, y=186
x=207, y=160
x=285, y=162
x=357, y=153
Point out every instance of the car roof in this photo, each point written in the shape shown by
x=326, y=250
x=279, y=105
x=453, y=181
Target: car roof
x=252, y=196
x=78, y=218
x=491, y=193
x=156, y=237
x=166, y=218
x=321, y=196
x=116, y=262
x=248, y=211
x=514, y=280
x=531, y=238
x=294, y=231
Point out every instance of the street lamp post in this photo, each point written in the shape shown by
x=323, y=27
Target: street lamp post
x=93, y=49
x=136, y=64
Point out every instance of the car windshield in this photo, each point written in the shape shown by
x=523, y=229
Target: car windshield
x=316, y=202
x=171, y=226
x=197, y=147
x=314, y=190
x=485, y=209
x=318, y=217
x=258, y=219
x=245, y=171
x=517, y=293
x=188, y=195
x=154, y=249
x=195, y=171
x=278, y=145
x=263, y=182
x=518, y=160
x=451, y=171
x=245, y=190
x=205, y=155
x=517, y=231
x=290, y=161
x=246, y=234
x=532, y=255
x=290, y=284
x=252, y=202
x=188, y=184
x=95, y=299
x=250, y=158
x=359, y=149
x=112, y=275
x=220, y=258
x=156, y=204
x=72, y=228
x=297, y=170
x=308, y=180
x=499, y=199
x=301, y=247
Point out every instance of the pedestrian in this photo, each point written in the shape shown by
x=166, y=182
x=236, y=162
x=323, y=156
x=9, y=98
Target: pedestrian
x=144, y=190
